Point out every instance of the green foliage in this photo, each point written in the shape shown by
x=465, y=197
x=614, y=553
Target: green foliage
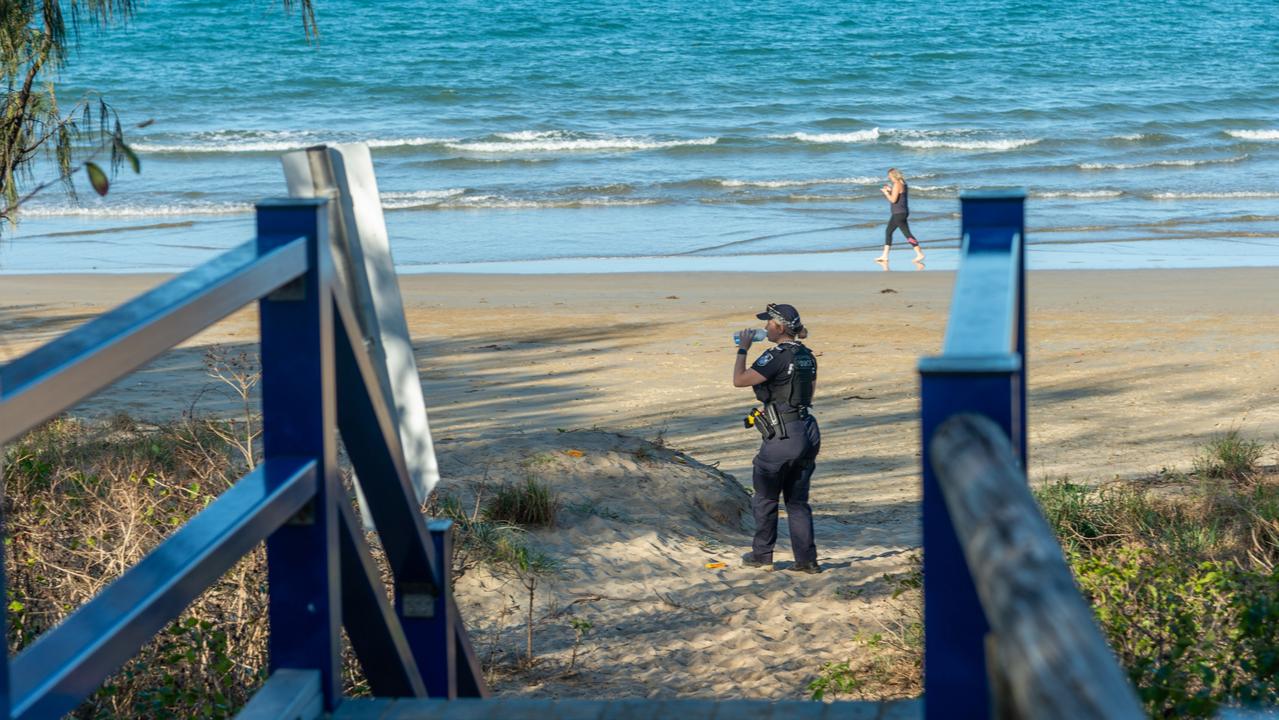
x=1081, y=515
x=1183, y=579
x=34, y=46
x=835, y=679
x=531, y=504
x=477, y=540
x=191, y=675
x=1230, y=457
x=912, y=579
x=581, y=626
x=97, y=178
x=1192, y=636
x=519, y=558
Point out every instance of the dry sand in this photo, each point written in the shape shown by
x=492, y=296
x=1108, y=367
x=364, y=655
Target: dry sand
x=1129, y=372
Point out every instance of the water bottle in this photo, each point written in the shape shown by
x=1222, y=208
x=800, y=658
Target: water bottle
x=758, y=335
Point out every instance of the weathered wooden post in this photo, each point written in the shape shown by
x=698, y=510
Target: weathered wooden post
x=1050, y=660
x=980, y=371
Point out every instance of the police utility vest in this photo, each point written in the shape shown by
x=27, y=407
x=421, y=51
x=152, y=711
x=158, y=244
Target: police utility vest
x=795, y=384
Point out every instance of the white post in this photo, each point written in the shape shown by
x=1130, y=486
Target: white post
x=362, y=255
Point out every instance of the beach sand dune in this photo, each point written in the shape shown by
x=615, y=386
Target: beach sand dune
x=638, y=527
x=1129, y=372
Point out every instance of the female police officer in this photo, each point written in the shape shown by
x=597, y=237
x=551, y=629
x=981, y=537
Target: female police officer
x=783, y=378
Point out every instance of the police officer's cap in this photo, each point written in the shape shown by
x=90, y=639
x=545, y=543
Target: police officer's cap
x=782, y=313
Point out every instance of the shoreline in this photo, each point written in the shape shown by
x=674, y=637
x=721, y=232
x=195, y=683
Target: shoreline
x=1050, y=256
x=677, y=239
x=1095, y=338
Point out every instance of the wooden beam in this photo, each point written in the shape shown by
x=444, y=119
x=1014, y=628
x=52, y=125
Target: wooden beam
x=1051, y=652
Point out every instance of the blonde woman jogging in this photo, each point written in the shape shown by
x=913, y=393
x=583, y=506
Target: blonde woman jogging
x=896, y=193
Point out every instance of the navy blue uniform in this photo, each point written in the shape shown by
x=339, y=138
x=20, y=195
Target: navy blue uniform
x=783, y=468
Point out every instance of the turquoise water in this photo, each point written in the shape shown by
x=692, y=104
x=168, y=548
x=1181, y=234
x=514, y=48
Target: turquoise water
x=528, y=136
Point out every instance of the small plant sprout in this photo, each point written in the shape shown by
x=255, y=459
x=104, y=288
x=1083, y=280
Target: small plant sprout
x=581, y=626
x=834, y=679
x=528, y=565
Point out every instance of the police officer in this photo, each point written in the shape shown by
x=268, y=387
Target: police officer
x=783, y=378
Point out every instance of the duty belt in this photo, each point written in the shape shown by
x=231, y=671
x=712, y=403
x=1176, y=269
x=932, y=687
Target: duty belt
x=799, y=414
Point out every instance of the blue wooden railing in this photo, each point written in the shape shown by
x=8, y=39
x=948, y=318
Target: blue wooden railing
x=981, y=371
x=1007, y=632
x=316, y=380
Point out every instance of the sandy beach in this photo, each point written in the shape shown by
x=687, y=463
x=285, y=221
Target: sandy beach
x=1129, y=372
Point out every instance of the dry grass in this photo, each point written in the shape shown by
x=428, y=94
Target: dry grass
x=84, y=502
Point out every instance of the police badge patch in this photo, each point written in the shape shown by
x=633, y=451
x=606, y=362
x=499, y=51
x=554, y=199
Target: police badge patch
x=764, y=359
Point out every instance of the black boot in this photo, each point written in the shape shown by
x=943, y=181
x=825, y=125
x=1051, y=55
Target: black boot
x=812, y=568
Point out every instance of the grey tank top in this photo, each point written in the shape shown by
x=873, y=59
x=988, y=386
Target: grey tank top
x=900, y=207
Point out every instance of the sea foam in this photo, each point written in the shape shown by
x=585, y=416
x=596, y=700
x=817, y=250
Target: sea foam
x=1215, y=195
x=136, y=210
x=495, y=202
x=858, y=136
x=1081, y=194
x=1161, y=163
x=862, y=180
x=550, y=142
x=991, y=145
x=417, y=198
x=1254, y=134
x=274, y=142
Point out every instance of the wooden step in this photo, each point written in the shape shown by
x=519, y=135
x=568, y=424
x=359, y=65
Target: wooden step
x=636, y=709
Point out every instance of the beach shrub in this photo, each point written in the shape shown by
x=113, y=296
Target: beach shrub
x=835, y=679
x=477, y=540
x=527, y=504
x=86, y=500
x=1192, y=636
x=1084, y=516
x=1183, y=579
x=1229, y=456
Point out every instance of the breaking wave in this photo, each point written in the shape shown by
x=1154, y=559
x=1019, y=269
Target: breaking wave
x=1161, y=163
x=990, y=145
x=852, y=137
x=862, y=180
x=1254, y=134
x=556, y=141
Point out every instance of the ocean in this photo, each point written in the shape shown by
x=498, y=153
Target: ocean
x=527, y=136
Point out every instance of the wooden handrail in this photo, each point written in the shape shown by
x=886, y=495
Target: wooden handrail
x=1054, y=660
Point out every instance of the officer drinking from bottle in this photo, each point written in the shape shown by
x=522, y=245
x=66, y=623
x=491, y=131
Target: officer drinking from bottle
x=783, y=379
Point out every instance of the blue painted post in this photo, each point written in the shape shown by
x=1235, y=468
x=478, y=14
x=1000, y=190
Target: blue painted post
x=987, y=218
x=428, y=624
x=955, y=681
x=299, y=412
x=1018, y=428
